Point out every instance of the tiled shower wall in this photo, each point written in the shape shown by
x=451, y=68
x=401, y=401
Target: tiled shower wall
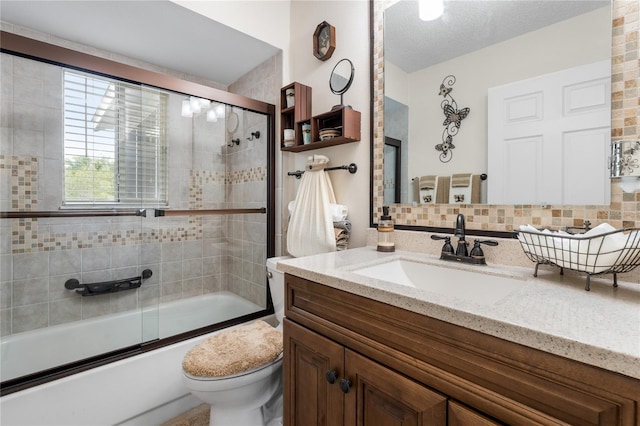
x=188, y=255
x=247, y=254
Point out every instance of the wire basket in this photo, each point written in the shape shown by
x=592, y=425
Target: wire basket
x=611, y=252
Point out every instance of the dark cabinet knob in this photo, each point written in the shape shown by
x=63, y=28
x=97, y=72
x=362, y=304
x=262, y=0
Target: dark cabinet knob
x=345, y=385
x=331, y=376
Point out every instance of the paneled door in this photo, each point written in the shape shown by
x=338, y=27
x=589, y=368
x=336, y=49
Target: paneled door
x=549, y=138
x=379, y=396
x=313, y=366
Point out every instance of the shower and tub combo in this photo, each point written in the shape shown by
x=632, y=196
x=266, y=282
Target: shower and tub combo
x=47, y=348
x=99, y=301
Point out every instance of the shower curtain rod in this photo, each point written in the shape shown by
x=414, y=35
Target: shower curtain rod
x=352, y=168
x=72, y=213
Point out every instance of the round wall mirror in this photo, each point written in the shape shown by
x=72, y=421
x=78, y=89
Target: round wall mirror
x=341, y=79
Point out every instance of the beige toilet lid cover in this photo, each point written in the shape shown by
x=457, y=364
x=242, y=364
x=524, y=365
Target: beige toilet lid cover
x=234, y=351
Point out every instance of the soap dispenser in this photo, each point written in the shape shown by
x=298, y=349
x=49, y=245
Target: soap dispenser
x=385, y=232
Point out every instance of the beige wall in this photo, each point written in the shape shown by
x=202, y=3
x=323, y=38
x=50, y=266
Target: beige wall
x=396, y=83
x=351, y=21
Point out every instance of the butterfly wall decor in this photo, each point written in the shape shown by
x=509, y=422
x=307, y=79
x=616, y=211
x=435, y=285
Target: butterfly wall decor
x=453, y=119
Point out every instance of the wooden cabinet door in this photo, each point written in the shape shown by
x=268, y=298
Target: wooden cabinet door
x=381, y=397
x=309, y=398
x=459, y=415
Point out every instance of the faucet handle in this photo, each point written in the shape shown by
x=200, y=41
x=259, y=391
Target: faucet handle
x=476, y=251
x=447, y=247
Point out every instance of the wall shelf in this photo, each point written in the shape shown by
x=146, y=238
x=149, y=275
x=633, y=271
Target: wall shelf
x=346, y=119
x=298, y=113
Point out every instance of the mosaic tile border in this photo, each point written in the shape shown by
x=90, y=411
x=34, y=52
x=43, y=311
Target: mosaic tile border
x=28, y=237
x=624, y=207
x=23, y=181
x=253, y=174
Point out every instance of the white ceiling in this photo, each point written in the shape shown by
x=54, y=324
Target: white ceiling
x=166, y=34
x=468, y=25
x=156, y=31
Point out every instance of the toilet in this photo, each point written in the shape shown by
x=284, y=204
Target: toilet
x=243, y=398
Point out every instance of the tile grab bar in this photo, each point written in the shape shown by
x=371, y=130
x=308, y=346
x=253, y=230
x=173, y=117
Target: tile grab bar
x=72, y=213
x=95, y=289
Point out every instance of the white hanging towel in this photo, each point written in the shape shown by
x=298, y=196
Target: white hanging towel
x=311, y=224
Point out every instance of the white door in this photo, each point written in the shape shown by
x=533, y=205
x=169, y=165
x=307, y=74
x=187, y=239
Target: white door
x=549, y=138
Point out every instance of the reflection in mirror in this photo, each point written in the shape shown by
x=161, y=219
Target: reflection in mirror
x=392, y=170
x=537, y=80
x=341, y=79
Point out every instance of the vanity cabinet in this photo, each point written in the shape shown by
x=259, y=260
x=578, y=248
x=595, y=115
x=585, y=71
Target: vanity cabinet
x=408, y=368
x=328, y=384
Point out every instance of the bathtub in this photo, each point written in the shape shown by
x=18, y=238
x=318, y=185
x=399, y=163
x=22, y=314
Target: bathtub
x=120, y=391
x=38, y=350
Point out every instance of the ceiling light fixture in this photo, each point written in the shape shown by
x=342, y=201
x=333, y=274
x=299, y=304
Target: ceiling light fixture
x=186, y=109
x=428, y=10
x=220, y=110
x=194, y=106
x=204, y=103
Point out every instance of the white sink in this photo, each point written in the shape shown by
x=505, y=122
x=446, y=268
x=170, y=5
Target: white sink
x=486, y=287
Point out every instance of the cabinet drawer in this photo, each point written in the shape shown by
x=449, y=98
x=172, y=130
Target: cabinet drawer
x=459, y=415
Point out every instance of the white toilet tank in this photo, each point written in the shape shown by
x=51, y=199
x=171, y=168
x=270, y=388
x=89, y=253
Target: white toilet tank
x=276, y=283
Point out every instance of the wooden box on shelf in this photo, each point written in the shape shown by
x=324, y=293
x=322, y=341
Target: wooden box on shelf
x=344, y=120
x=299, y=111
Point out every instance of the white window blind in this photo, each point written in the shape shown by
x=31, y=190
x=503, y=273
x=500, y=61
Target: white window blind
x=114, y=142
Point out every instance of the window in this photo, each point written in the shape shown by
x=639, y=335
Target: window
x=114, y=142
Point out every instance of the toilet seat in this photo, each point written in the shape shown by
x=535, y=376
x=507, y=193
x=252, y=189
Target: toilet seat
x=237, y=375
x=235, y=351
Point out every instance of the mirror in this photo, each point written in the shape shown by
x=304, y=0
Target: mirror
x=419, y=55
x=341, y=79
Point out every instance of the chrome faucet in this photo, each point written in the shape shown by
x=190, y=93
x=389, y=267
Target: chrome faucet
x=459, y=232
x=462, y=251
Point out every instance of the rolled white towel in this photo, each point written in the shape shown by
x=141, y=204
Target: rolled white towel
x=339, y=212
x=603, y=228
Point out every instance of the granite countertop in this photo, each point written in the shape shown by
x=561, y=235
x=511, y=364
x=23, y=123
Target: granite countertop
x=552, y=312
